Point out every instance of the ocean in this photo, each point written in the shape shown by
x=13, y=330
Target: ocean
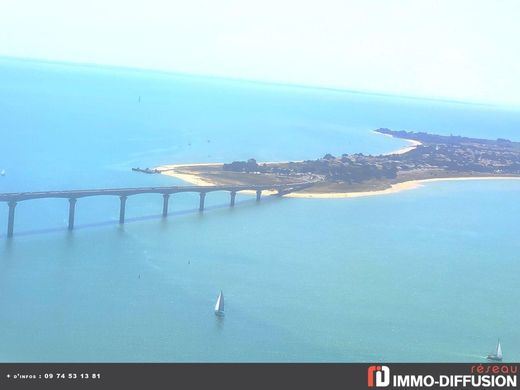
x=426, y=275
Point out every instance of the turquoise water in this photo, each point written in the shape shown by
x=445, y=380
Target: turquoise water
x=423, y=275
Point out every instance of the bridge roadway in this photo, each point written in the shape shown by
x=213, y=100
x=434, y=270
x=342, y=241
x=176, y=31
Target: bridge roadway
x=13, y=198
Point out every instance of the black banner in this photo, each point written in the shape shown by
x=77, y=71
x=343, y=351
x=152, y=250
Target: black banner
x=267, y=376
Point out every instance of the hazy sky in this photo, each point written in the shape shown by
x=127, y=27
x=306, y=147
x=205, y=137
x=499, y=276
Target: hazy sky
x=458, y=49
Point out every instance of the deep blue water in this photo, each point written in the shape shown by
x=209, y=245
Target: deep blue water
x=424, y=275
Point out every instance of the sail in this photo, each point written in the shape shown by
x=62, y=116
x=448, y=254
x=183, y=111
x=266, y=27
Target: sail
x=219, y=306
x=499, y=350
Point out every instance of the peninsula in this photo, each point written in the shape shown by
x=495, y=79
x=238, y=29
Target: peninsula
x=430, y=157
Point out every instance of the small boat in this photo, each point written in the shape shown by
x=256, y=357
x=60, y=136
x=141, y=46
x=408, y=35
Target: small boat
x=497, y=356
x=219, y=306
x=2, y=172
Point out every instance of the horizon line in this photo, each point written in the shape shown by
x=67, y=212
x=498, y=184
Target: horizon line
x=104, y=66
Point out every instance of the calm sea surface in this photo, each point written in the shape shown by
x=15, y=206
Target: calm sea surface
x=425, y=275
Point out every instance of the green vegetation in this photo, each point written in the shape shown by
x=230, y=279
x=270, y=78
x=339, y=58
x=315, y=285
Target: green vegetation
x=437, y=156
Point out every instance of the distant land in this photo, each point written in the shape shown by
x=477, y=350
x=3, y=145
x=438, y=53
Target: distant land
x=431, y=157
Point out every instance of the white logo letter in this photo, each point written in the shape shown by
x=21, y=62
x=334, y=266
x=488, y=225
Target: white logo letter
x=383, y=377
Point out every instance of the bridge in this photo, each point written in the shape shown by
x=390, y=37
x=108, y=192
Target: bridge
x=12, y=199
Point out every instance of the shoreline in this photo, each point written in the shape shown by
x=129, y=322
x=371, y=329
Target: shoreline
x=394, y=188
x=169, y=170
x=193, y=178
x=412, y=144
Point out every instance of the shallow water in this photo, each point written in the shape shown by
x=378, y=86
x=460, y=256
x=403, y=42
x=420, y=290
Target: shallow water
x=422, y=275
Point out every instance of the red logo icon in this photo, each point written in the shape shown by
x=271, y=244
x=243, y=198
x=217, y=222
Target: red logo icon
x=378, y=376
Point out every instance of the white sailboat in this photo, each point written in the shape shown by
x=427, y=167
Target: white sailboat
x=497, y=356
x=219, y=306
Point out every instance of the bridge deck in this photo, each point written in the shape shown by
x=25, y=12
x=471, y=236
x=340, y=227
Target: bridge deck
x=72, y=195
x=20, y=196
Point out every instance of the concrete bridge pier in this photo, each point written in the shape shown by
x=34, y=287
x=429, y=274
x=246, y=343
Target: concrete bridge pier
x=201, y=203
x=122, y=209
x=72, y=211
x=12, y=199
x=166, y=198
x=10, y=219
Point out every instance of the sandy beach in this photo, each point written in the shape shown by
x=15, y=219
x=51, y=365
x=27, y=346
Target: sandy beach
x=175, y=170
x=412, y=144
x=394, y=188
